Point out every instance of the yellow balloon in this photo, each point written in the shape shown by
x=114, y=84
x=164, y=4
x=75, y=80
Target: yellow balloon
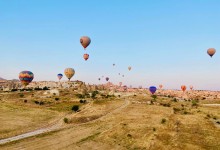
x=69, y=72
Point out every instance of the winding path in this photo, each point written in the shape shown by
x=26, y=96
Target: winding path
x=58, y=125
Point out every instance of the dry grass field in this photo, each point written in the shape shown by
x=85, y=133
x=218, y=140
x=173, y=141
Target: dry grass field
x=129, y=122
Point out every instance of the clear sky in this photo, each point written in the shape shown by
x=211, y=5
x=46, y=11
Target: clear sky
x=165, y=42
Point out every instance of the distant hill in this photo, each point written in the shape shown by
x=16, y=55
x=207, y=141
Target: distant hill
x=2, y=78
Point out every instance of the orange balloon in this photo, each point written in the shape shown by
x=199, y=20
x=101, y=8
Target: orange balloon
x=85, y=41
x=211, y=51
x=86, y=56
x=183, y=87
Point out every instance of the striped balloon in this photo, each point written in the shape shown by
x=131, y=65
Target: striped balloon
x=26, y=77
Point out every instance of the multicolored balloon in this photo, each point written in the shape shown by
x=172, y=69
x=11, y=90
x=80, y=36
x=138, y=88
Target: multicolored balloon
x=60, y=76
x=129, y=68
x=183, y=87
x=152, y=89
x=86, y=56
x=26, y=77
x=85, y=41
x=69, y=72
x=211, y=51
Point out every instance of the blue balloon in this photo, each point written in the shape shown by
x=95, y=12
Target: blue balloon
x=59, y=76
x=152, y=89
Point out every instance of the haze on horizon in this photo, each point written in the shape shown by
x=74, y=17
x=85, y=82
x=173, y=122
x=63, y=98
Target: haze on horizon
x=165, y=42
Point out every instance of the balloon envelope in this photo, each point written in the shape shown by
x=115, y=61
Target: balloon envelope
x=85, y=41
x=26, y=77
x=107, y=78
x=129, y=68
x=211, y=51
x=86, y=56
x=161, y=86
x=191, y=87
x=60, y=76
x=183, y=87
x=69, y=72
x=152, y=89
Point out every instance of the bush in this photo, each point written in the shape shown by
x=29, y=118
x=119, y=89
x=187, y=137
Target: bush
x=174, y=100
x=37, y=89
x=154, y=97
x=163, y=121
x=56, y=99
x=36, y=102
x=13, y=90
x=194, y=103
x=41, y=103
x=154, y=129
x=65, y=120
x=21, y=95
x=25, y=101
x=80, y=96
x=45, y=88
x=81, y=101
x=75, y=108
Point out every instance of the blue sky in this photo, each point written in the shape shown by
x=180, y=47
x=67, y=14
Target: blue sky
x=165, y=42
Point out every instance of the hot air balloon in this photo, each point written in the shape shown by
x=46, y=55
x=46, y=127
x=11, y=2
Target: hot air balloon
x=211, y=51
x=26, y=77
x=69, y=72
x=123, y=76
x=113, y=64
x=86, y=56
x=152, y=89
x=120, y=83
x=129, y=68
x=99, y=79
x=118, y=73
x=107, y=78
x=125, y=87
x=60, y=76
x=160, y=86
x=85, y=41
x=183, y=87
x=191, y=87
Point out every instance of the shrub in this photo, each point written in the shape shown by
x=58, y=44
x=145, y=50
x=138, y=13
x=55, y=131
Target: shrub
x=25, y=101
x=13, y=90
x=65, y=120
x=56, y=99
x=154, y=97
x=163, y=121
x=119, y=96
x=41, y=103
x=81, y=101
x=75, y=108
x=154, y=129
x=218, y=122
x=80, y=96
x=21, y=95
x=174, y=100
x=37, y=89
x=36, y=102
x=194, y=103
x=45, y=88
